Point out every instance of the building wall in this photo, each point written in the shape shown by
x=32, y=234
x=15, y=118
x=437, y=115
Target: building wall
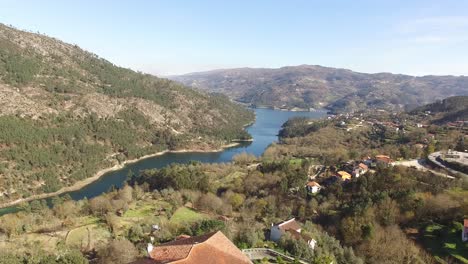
x=275, y=233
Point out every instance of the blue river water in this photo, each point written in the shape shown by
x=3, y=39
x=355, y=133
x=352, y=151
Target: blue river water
x=264, y=132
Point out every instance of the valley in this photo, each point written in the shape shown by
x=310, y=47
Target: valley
x=209, y=132
x=66, y=114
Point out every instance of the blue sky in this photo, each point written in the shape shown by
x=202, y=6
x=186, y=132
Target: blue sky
x=174, y=37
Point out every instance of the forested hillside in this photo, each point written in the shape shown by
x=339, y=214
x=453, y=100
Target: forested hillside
x=448, y=110
x=66, y=113
x=339, y=90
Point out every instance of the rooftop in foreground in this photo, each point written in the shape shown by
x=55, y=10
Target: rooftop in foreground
x=211, y=248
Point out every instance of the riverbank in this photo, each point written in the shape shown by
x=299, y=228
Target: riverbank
x=80, y=184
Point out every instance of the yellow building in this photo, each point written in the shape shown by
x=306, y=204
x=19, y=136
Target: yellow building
x=344, y=175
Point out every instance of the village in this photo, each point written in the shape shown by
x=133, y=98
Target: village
x=319, y=177
x=192, y=222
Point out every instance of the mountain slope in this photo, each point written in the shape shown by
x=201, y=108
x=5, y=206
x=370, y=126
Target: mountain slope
x=315, y=86
x=66, y=113
x=448, y=110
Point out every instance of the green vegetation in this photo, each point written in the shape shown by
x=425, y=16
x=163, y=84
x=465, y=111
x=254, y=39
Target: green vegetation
x=73, y=113
x=254, y=197
x=382, y=206
x=186, y=215
x=448, y=110
x=72, y=257
x=338, y=90
x=38, y=147
x=340, y=139
x=369, y=219
x=442, y=241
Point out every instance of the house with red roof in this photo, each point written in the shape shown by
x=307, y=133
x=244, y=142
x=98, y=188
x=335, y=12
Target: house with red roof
x=359, y=170
x=384, y=159
x=211, y=248
x=277, y=230
x=313, y=187
x=465, y=231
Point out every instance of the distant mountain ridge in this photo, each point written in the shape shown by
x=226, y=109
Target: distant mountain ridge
x=314, y=86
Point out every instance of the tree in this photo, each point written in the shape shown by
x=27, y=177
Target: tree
x=390, y=245
x=112, y=221
x=387, y=211
x=236, y=200
x=135, y=233
x=243, y=158
x=10, y=225
x=126, y=193
x=209, y=202
x=72, y=257
x=100, y=205
x=430, y=148
x=66, y=210
x=119, y=251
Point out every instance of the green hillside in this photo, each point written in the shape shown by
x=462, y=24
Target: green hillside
x=65, y=113
x=448, y=110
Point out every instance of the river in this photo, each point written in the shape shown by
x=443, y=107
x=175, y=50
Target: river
x=264, y=131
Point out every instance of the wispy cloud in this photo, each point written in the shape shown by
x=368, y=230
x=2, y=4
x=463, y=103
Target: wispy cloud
x=434, y=30
x=427, y=39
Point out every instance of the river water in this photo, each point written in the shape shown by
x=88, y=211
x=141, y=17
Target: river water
x=264, y=131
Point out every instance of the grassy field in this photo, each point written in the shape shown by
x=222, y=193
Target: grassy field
x=442, y=241
x=146, y=208
x=46, y=242
x=230, y=179
x=87, y=237
x=296, y=161
x=187, y=215
x=88, y=232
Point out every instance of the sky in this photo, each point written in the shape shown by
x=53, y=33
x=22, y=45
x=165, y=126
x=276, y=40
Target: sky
x=417, y=37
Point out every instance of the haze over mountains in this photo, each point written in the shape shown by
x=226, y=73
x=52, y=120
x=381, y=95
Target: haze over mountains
x=310, y=86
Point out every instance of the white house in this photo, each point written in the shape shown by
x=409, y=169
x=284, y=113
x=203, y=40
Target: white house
x=313, y=187
x=465, y=231
x=276, y=231
x=360, y=170
x=292, y=227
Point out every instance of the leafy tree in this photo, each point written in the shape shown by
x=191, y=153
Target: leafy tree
x=119, y=251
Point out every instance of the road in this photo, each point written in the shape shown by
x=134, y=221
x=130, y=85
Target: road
x=420, y=164
x=433, y=158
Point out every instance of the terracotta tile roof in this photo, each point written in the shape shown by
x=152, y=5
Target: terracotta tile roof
x=210, y=248
x=298, y=235
x=143, y=261
x=182, y=237
x=294, y=234
x=313, y=183
x=363, y=166
x=290, y=224
x=384, y=158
